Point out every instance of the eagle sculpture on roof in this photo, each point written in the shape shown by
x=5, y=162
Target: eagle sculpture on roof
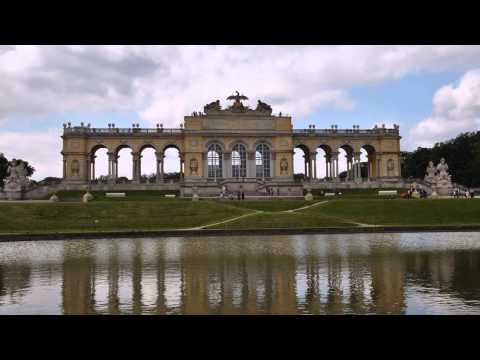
x=237, y=100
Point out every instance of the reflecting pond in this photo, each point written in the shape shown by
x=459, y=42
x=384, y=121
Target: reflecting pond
x=427, y=273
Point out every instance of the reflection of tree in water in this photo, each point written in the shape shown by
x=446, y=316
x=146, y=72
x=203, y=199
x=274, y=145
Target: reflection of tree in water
x=466, y=279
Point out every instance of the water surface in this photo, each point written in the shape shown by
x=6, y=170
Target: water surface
x=428, y=273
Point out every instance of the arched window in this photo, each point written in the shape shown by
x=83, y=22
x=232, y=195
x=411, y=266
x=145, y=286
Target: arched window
x=262, y=161
x=239, y=161
x=214, y=161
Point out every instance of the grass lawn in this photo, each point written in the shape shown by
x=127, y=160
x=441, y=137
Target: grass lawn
x=283, y=220
x=118, y=214
x=144, y=210
x=270, y=205
x=403, y=212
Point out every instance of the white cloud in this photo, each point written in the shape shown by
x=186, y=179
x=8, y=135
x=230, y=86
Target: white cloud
x=41, y=149
x=163, y=83
x=456, y=108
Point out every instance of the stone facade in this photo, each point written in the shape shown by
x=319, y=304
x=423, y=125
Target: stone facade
x=240, y=148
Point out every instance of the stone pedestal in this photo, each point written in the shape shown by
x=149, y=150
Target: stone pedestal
x=14, y=191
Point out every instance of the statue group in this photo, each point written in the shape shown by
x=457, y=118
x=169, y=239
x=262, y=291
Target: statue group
x=17, y=180
x=439, y=178
x=237, y=106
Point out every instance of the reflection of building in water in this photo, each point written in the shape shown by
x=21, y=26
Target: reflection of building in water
x=194, y=277
x=113, y=279
x=137, y=267
x=78, y=290
x=388, y=284
x=435, y=269
x=14, y=280
x=216, y=279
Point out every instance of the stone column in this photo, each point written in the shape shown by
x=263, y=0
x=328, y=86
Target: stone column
x=159, y=157
x=327, y=160
x=227, y=165
x=116, y=166
x=111, y=167
x=88, y=166
x=337, y=175
x=136, y=168
x=306, y=166
x=182, y=166
x=332, y=174
x=251, y=165
x=313, y=156
x=205, y=165
x=357, y=172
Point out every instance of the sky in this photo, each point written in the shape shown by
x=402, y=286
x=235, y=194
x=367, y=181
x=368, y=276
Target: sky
x=432, y=92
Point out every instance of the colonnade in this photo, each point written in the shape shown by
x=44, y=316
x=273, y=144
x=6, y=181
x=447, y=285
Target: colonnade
x=331, y=166
x=136, y=167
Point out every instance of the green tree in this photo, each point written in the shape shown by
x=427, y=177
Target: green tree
x=3, y=169
x=461, y=153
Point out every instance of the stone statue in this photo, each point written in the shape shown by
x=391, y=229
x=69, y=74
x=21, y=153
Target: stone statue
x=194, y=167
x=283, y=166
x=16, y=182
x=263, y=107
x=439, y=178
x=431, y=170
x=213, y=106
x=16, y=173
x=442, y=169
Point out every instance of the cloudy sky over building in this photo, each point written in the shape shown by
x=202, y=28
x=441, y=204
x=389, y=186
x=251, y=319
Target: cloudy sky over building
x=432, y=92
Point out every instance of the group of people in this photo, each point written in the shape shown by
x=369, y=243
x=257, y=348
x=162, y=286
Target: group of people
x=230, y=196
x=411, y=193
x=457, y=193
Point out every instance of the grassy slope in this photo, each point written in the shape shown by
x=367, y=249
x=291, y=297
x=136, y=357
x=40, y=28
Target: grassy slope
x=151, y=210
x=403, y=212
x=112, y=215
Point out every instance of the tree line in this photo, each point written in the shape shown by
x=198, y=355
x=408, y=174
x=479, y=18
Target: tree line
x=461, y=153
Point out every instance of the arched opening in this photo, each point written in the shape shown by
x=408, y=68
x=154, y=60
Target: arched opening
x=368, y=166
x=301, y=161
x=262, y=161
x=345, y=163
x=322, y=166
x=239, y=161
x=123, y=164
x=98, y=170
x=172, y=164
x=148, y=165
x=214, y=161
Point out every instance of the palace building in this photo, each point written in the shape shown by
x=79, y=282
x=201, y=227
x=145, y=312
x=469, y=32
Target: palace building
x=235, y=149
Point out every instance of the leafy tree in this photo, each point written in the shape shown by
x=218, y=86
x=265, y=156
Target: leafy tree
x=461, y=153
x=3, y=169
